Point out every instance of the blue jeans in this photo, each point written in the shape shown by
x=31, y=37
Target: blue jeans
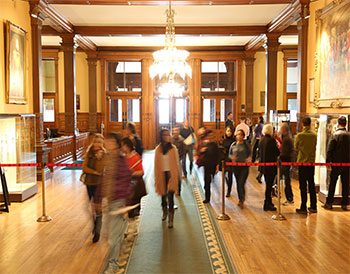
x=117, y=227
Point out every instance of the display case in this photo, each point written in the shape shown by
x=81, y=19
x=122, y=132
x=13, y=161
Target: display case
x=17, y=145
x=277, y=117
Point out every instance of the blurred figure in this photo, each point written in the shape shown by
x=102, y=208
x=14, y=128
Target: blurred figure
x=134, y=162
x=116, y=188
x=240, y=153
x=93, y=167
x=202, y=137
x=186, y=132
x=136, y=140
x=210, y=152
x=243, y=126
x=258, y=135
x=287, y=155
x=250, y=125
x=229, y=122
x=268, y=154
x=336, y=153
x=178, y=141
x=226, y=144
x=167, y=172
x=305, y=144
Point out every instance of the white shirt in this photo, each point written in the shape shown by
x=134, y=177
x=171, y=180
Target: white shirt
x=245, y=128
x=166, y=165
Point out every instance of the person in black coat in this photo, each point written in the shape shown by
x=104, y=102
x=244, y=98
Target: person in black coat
x=268, y=154
x=132, y=135
x=229, y=138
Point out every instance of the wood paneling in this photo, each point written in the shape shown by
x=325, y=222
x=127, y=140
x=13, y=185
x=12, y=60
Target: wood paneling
x=249, y=82
x=82, y=122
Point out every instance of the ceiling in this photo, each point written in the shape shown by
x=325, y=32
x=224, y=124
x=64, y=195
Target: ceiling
x=116, y=15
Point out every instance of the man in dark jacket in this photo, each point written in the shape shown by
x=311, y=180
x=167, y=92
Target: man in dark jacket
x=339, y=152
x=268, y=154
x=287, y=155
x=136, y=140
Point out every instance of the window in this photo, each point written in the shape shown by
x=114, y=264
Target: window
x=292, y=75
x=177, y=79
x=164, y=110
x=49, y=110
x=116, y=110
x=226, y=106
x=124, y=76
x=133, y=106
x=48, y=76
x=180, y=110
x=209, y=110
x=218, y=76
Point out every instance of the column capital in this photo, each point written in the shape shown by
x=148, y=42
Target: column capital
x=68, y=42
x=271, y=41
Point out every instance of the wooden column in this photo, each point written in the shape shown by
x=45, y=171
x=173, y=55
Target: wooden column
x=237, y=113
x=41, y=149
x=303, y=28
x=68, y=47
x=195, y=94
x=92, y=63
x=271, y=48
x=249, y=83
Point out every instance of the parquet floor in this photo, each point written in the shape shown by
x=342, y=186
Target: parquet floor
x=318, y=243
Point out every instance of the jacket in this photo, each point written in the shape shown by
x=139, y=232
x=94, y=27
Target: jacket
x=338, y=150
x=211, y=155
x=268, y=154
x=90, y=165
x=287, y=150
x=179, y=143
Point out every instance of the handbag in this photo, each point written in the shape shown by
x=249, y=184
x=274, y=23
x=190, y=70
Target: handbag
x=189, y=140
x=82, y=177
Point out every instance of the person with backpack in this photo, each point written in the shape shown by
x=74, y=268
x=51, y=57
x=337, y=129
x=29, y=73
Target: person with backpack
x=240, y=153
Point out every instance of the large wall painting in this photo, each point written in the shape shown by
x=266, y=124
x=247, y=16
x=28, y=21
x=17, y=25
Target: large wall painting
x=15, y=64
x=332, y=62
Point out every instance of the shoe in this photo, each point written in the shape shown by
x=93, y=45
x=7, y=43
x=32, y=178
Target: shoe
x=344, y=207
x=311, y=210
x=287, y=203
x=96, y=238
x=165, y=213
x=328, y=206
x=228, y=195
x=206, y=201
x=301, y=211
x=259, y=179
x=240, y=204
x=269, y=208
x=171, y=220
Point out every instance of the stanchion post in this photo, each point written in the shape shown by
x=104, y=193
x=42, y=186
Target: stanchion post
x=223, y=216
x=44, y=217
x=279, y=216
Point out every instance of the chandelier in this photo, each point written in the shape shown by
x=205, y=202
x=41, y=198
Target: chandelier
x=170, y=60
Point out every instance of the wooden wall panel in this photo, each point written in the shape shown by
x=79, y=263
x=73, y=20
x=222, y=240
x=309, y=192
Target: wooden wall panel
x=82, y=122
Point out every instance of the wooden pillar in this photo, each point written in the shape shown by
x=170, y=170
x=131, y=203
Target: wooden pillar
x=195, y=94
x=68, y=47
x=92, y=63
x=249, y=83
x=271, y=48
x=41, y=148
x=303, y=27
x=237, y=113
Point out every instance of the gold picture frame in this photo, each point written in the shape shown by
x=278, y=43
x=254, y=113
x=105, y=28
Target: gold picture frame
x=15, y=64
x=332, y=81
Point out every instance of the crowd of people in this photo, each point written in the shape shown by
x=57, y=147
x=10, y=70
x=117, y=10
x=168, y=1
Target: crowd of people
x=113, y=171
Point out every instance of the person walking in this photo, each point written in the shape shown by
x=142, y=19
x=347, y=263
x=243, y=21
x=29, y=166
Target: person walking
x=178, y=141
x=93, y=167
x=167, y=173
x=132, y=135
x=229, y=122
x=243, y=126
x=134, y=162
x=188, y=132
x=268, y=154
x=240, y=153
x=210, y=151
x=338, y=151
x=226, y=144
x=305, y=144
x=116, y=188
x=287, y=155
x=258, y=135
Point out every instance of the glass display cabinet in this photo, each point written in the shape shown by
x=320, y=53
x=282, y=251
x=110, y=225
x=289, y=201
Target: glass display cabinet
x=277, y=117
x=17, y=145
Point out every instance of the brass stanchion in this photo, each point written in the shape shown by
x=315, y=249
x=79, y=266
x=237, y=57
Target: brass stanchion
x=278, y=216
x=223, y=216
x=44, y=217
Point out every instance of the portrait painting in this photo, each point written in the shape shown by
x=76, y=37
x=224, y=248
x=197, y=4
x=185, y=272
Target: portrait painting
x=334, y=51
x=15, y=64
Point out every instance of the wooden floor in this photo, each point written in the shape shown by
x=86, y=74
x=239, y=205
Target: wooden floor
x=319, y=243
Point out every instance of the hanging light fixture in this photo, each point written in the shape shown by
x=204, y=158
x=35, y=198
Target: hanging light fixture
x=170, y=60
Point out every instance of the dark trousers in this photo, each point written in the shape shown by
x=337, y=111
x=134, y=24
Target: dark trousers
x=169, y=197
x=209, y=173
x=255, y=148
x=285, y=170
x=269, y=178
x=189, y=151
x=241, y=175
x=97, y=216
x=306, y=177
x=228, y=178
x=344, y=173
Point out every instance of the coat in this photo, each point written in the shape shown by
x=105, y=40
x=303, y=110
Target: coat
x=175, y=171
x=268, y=154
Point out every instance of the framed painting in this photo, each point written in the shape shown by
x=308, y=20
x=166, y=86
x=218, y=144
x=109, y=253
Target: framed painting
x=15, y=64
x=332, y=66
